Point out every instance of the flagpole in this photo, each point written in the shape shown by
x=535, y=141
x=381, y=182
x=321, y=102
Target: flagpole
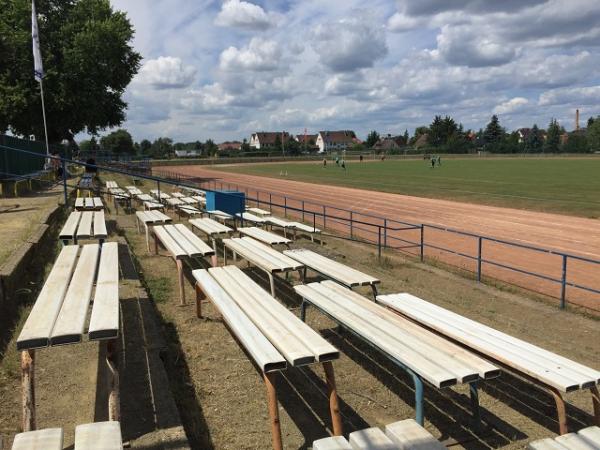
x=44, y=115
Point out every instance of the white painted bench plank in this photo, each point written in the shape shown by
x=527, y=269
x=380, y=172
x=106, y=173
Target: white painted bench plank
x=47, y=439
x=99, y=225
x=370, y=439
x=330, y=268
x=258, y=211
x=187, y=209
x=306, y=228
x=592, y=434
x=98, y=202
x=177, y=194
x=331, y=443
x=88, y=203
x=258, y=346
x=552, y=369
x=172, y=247
x=84, y=231
x=210, y=226
x=39, y=324
x=70, y=228
x=174, y=201
x=246, y=216
x=145, y=198
x=98, y=436
x=574, y=441
x=201, y=247
x=153, y=205
x=262, y=255
x=79, y=202
x=409, y=435
x=279, y=222
x=263, y=235
x=71, y=319
x=104, y=321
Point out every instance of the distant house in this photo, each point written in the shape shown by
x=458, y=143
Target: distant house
x=268, y=139
x=336, y=140
x=524, y=134
x=389, y=142
x=421, y=141
x=187, y=153
x=308, y=138
x=229, y=146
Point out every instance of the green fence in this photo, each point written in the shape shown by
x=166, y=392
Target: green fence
x=14, y=164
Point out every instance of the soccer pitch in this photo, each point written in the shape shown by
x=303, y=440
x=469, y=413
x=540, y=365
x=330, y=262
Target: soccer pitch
x=561, y=185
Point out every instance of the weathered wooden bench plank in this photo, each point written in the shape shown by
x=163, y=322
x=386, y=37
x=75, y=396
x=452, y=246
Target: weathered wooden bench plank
x=79, y=203
x=170, y=244
x=70, y=322
x=84, y=231
x=254, y=341
x=174, y=202
x=41, y=319
x=249, y=217
x=98, y=436
x=264, y=236
x=332, y=443
x=200, y=247
x=187, y=210
x=409, y=435
x=258, y=211
x=573, y=441
x=299, y=343
x=370, y=439
x=592, y=434
x=70, y=228
x=210, y=227
x=99, y=225
x=47, y=439
x=177, y=194
x=88, y=203
x=98, y=203
x=104, y=321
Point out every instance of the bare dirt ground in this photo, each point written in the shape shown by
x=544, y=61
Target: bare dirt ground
x=576, y=235
x=222, y=398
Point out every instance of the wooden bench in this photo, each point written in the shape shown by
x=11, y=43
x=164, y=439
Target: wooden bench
x=552, y=372
x=262, y=256
x=285, y=225
x=153, y=206
x=264, y=236
x=311, y=230
x=160, y=195
x=221, y=216
x=213, y=229
x=133, y=191
x=181, y=243
x=333, y=270
x=84, y=225
x=259, y=211
x=187, y=210
x=190, y=200
x=423, y=354
x=144, y=198
x=294, y=226
x=173, y=202
x=88, y=203
x=111, y=185
x=59, y=315
x=586, y=439
x=272, y=335
x=177, y=195
x=149, y=219
x=402, y=435
x=91, y=436
x=249, y=217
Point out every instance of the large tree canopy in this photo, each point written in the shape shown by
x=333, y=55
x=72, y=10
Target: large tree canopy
x=88, y=61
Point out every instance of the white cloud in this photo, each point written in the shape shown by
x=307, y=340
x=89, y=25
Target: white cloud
x=350, y=43
x=512, y=105
x=259, y=55
x=166, y=72
x=241, y=14
x=400, y=22
x=589, y=95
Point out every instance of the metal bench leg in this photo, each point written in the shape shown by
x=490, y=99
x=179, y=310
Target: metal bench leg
x=114, y=403
x=213, y=260
x=273, y=410
x=374, y=288
x=596, y=404
x=334, y=407
x=475, y=403
x=418, y=397
x=560, y=409
x=155, y=244
x=303, y=308
x=147, y=237
x=272, y=283
x=199, y=297
x=28, y=389
x=181, y=284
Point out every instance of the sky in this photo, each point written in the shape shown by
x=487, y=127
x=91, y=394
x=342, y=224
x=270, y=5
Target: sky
x=224, y=69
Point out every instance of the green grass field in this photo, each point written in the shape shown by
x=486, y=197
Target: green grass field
x=561, y=185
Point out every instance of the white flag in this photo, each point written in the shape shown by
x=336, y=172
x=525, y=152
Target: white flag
x=38, y=69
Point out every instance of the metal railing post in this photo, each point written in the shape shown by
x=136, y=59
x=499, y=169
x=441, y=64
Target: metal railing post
x=158, y=189
x=563, y=283
x=385, y=232
x=351, y=225
x=285, y=207
x=270, y=202
x=324, y=216
x=422, y=242
x=64, y=179
x=379, y=242
x=302, y=210
x=479, y=247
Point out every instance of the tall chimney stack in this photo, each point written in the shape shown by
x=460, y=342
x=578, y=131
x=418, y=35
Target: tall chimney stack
x=577, y=119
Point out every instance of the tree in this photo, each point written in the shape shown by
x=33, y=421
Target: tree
x=211, y=148
x=553, y=137
x=405, y=137
x=277, y=144
x=493, y=133
x=590, y=121
x=119, y=142
x=245, y=147
x=372, y=139
x=441, y=130
x=593, y=135
x=161, y=148
x=145, y=147
x=88, y=60
x=89, y=146
x=576, y=143
x=534, y=141
x=293, y=147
